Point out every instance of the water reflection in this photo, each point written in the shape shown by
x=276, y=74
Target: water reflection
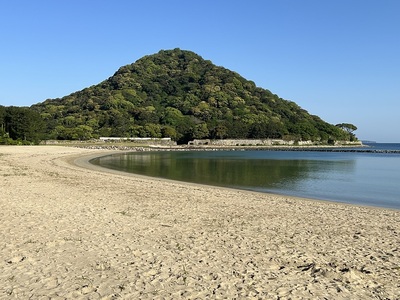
x=249, y=170
x=358, y=178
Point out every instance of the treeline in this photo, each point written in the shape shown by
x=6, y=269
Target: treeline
x=20, y=125
x=174, y=94
x=180, y=95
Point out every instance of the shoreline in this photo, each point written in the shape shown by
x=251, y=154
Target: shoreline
x=84, y=162
x=69, y=231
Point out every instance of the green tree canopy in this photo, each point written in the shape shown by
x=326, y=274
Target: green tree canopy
x=350, y=128
x=21, y=123
x=178, y=94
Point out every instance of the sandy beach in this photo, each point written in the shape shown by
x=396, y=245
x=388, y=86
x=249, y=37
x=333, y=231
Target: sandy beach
x=70, y=230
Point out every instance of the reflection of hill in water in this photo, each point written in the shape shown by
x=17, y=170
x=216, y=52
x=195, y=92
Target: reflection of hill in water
x=234, y=171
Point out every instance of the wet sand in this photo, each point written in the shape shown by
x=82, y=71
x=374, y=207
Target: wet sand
x=73, y=230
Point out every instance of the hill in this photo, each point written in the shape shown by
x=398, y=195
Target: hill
x=178, y=94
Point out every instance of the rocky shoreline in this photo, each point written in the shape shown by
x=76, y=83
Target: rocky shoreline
x=239, y=148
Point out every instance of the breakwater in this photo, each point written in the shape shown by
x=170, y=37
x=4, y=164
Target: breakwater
x=244, y=148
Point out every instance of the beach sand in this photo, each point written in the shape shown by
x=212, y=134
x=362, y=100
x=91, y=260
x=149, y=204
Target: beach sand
x=72, y=231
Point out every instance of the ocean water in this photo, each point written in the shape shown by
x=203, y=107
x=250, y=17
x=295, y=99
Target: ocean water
x=370, y=176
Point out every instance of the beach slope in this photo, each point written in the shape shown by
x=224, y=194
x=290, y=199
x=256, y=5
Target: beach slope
x=71, y=230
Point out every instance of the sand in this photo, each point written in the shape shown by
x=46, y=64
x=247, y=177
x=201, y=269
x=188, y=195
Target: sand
x=71, y=231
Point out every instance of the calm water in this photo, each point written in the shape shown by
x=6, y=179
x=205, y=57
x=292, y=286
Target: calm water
x=352, y=177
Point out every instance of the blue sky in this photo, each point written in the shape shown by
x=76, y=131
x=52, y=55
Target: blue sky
x=338, y=59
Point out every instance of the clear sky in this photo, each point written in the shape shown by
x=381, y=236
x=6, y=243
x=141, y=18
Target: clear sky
x=338, y=59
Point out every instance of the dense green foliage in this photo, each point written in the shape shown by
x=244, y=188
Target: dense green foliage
x=180, y=95
x=20, y=125
x=349, y=128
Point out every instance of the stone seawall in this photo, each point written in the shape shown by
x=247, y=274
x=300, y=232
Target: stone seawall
x=263, y=142
x=114, y=140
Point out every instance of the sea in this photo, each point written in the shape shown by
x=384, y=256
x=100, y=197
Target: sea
x=367, y=176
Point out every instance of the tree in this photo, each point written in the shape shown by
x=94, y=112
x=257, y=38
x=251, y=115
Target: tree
x=219, y=132
x=151, y=130
x=169, y=131
x=2, y=119
x=83, y=132
x=24, y=124
x=172, y=116
x=350, y=128
x=200, y=131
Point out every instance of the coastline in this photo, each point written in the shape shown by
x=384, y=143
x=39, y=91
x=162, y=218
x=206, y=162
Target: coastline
x=84, y=162
x=320, y=148
x=72, y=229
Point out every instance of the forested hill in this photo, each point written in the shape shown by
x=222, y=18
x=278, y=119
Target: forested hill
x=178, y=94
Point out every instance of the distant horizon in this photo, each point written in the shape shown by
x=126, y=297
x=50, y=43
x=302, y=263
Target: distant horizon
x=377, y=142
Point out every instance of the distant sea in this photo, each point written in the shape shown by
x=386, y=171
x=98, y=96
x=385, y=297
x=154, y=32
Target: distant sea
x=383, y=146
x=363, y=176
